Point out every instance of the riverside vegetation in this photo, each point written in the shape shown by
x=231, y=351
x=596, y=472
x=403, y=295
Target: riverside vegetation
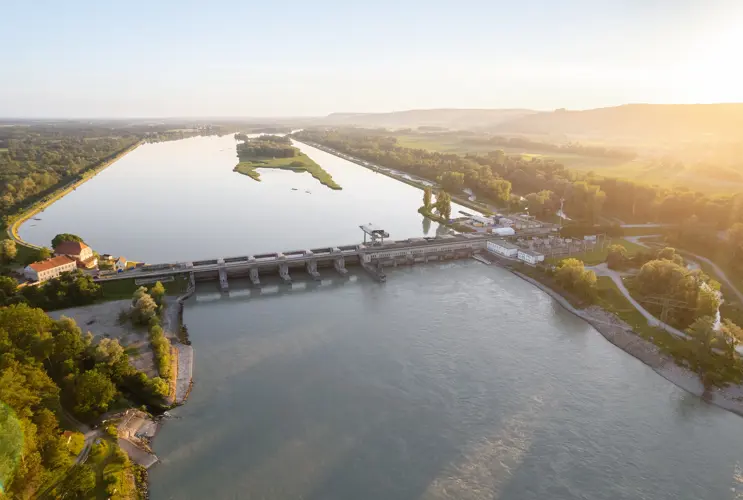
x=683, y=298
x=272, y=151
x=50, y=371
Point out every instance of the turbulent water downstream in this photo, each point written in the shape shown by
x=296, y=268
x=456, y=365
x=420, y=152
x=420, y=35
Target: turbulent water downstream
x=450, y=381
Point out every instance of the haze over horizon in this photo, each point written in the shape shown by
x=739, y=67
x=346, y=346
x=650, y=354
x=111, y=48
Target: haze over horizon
x=311, y=59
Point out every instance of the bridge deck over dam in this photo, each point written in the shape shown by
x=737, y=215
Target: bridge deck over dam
x=372, y=257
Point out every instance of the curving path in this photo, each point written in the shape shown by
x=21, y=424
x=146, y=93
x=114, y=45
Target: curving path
x=603, y=270
x=720, y=273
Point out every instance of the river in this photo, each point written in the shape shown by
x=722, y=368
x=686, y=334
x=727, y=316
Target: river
x=180, y=200
x=450, y=381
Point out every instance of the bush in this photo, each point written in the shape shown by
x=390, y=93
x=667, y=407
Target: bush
x=161, y=347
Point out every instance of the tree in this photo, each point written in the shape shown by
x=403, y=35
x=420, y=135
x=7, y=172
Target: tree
x=80, y=482
x=617, y=257
x=443, y=204
x=8, y=290
x=452, y=181
x=675, y=292
x=138, y=294
x=144, y=310
x=62, y=237
x=427, y=198
x=572, y=274
x=702, y=340
x=669, y=253
x=8, y=250
x=158, y=293
x=44, y=253
x=94, y=391
x=708, y=301
x=108, y=351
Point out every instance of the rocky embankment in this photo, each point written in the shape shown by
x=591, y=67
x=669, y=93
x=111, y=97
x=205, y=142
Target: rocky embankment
x=621, y=335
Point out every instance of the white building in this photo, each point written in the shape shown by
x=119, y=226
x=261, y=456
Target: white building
x=49, y=268
x=120, y=264
x=530, y=256
x=504, y=231
x=502, y=247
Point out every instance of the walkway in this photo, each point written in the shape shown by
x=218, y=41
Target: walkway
x=603, y=270
x=720, y=273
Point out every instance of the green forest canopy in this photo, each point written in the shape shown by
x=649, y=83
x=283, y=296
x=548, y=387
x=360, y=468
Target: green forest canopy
x=46, y=365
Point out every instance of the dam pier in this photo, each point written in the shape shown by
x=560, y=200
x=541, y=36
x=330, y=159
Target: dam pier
x=373, y=255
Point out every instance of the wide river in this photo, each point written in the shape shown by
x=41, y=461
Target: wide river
x=180, y=200
x=450, y=381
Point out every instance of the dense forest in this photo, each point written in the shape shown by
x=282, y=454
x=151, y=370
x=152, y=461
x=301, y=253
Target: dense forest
x=541, y=182
x=49, y=369
x=35, y=160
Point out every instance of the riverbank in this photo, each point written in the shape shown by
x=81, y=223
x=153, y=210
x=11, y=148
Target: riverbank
x=480, y=207
x=35, y=208
x=621, y=335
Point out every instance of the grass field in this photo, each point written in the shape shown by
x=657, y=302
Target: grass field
x=598, y=256
x=640, y=170
x=299, y=164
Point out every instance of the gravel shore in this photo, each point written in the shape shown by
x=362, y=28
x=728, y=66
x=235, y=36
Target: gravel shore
x=621, y=335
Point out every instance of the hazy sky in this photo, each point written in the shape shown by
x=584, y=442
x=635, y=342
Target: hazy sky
x=283, y=57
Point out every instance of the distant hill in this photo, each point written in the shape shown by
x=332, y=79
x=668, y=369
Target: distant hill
x=632, y=122
x=458, y=119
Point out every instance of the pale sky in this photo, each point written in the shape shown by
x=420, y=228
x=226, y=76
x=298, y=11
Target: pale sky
x=298, y=58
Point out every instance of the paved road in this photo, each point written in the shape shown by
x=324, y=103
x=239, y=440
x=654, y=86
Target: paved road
x=603, y=270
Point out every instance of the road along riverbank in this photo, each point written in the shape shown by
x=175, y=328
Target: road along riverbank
x=621, y=335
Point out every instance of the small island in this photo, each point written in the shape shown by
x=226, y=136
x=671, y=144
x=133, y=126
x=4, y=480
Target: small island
x=273, y=151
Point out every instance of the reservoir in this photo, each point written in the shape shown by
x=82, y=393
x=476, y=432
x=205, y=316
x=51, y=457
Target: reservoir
x=180, y=200
x=450, y=381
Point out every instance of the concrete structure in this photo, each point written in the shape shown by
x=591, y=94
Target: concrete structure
x=372, y=258
x=481, y=220
x=78, y=251
x=376, y=234
x=530, y=256
x=502, y=247
x=49, y=268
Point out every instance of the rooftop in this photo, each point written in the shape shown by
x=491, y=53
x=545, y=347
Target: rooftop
x=70, y=247
x=47, y=264
x=531, y=252
x=505, y=244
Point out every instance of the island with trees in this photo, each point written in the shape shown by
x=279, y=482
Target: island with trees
x=273, y=151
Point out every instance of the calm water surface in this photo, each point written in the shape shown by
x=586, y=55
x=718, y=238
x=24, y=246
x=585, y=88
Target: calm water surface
x=453, y=381
x=180, y=200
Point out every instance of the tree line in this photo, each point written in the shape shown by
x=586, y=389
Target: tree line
x=541, y=182
x=265, y=146
x=38, y=159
